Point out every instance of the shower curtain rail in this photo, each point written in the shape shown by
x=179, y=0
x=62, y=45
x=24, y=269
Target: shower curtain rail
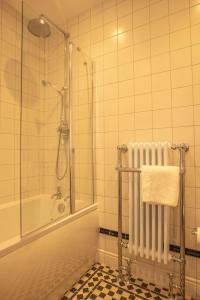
x=182, y=148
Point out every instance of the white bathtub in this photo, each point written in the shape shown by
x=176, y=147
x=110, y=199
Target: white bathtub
x=37, y=211
x=44, y=264
x=41, y=210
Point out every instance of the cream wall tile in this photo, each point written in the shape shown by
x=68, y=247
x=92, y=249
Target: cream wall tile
x=97, y=9
x=196, y=94
x=96, y=35
x=111, y=123
x=96, y=20
x=160, y=63
x=196, y=74
x=160, y=45
x=180, y=39
x=140, y=17
x=181, y=77
x=126, y=136
x=111, y=140
x=194, y=2
x=159, y=27
x=110, y=45
x=162, y=118
x=97, y=49
x=161, y=99
x=110, y=14
x=183, y=116
x=125, y=72
x=195, y=54
x=194, y=13
x=181, y=58
x=197, y=156
x=143, y=102
x=108, y=3
x=125, y=55
x=180, y=20
x=141, y=34
x=110, y=29
x=163, y=134
x=197, y=132
x=176, y=5
x=84, y=26
x=110, y=60
x=142, y=85
x=110, y=107
x=197, y=114
x=99, y=124
x=142, y=67
x=124, y=24
x=143, y=135
x=195, y=31
x=139, y=4
x=182, y=96
x=125, y=105
x=143, y=120
x=125, y=39
x=110, y=91
x=110, y=76
x=126, y=122
x=159, y=10
x=124, y=8
x=161, y=81
x=142, y=51
x=125, y=88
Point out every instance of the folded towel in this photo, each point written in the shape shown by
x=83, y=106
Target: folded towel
x=160, y=185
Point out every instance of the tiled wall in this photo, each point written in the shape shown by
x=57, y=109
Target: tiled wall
x=32, y=113
x=10, y=53
x=147, y=55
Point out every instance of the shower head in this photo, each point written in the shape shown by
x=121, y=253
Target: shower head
x=39, y=27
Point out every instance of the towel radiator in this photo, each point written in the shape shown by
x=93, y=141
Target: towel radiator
x=139, y=247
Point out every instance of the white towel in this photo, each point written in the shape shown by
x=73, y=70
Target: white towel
x=160, y=185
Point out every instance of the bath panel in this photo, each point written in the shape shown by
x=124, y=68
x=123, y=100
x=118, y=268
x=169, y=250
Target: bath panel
x=36, y=270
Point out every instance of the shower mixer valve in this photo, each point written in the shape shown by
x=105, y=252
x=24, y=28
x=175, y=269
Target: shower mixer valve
x=58, y=195
x=63, y=129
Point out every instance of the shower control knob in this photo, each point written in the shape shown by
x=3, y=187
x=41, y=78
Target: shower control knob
x=63, y=129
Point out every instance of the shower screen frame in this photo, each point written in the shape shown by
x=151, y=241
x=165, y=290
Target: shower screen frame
x=73, y=47
x=69, y=47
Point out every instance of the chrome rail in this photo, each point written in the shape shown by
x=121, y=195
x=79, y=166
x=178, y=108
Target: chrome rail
x=183, y=148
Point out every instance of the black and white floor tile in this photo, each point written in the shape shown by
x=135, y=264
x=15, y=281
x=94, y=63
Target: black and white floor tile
x=101, y=282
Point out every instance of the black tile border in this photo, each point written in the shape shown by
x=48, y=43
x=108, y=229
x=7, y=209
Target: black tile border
x=174, y=248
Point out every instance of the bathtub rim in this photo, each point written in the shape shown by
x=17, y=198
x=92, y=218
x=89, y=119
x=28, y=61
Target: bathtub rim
x=39, y=233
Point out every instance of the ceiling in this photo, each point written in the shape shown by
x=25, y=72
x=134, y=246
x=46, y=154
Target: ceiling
x=60, y=10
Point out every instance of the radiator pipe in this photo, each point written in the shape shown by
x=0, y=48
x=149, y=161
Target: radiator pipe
x=120, y=150
x=183, y=148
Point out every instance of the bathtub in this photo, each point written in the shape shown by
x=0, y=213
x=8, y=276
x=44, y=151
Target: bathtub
x=41, y=210
x=37, y=211
x=43, y=264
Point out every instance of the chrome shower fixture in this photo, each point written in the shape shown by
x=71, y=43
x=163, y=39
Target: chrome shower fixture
x=39, y=27
x=48, y=83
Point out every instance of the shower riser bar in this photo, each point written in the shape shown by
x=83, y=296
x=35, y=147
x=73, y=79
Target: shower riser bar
x=182, y=148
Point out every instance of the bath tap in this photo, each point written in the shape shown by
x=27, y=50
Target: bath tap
x=57, y=195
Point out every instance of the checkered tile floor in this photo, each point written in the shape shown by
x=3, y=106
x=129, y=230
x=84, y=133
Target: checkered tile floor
x=101, y=282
